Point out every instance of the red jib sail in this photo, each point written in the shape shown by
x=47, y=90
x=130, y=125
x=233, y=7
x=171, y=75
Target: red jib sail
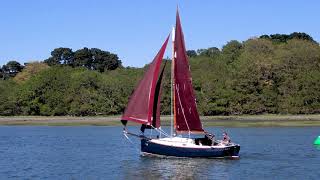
x=141, y=103
x=185, y=108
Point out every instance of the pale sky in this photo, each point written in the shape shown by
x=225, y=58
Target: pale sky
x=135, y=30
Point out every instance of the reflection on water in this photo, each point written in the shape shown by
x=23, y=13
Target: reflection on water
x=177, y=168
x=317, y=147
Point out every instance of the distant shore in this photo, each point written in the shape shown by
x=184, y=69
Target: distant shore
x=228, y=121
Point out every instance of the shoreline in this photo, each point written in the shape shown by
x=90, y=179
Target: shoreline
x=269, y=120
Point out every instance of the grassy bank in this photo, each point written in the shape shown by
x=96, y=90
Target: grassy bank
x=229, y=121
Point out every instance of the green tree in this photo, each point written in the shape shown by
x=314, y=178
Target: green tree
x=298, y=66
x=45, y=93
x=92, y=59
x=60, y=56
x=302, y=36
x=31, y=69
x=96, y=59
x=191, y=53
x=7, y=98
x=83, y=58
x=104, y=60
x=83, y=93
x=271, y=74
x=253, y=79
x=2, y=74
x=283, y=38
x=210, y=52
x=11, y=69
x=231, y=51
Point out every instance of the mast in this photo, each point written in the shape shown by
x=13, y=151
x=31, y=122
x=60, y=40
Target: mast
x=172, y=74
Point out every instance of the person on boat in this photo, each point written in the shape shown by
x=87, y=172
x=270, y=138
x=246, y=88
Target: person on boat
x=212, y=138
x=209, y=139
x=226, y=139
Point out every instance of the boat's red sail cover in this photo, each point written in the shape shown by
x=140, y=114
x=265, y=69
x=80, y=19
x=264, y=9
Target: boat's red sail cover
x=186, y=114
x=141, y=103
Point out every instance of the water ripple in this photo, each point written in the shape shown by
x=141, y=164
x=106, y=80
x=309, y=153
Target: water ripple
x=90, y=152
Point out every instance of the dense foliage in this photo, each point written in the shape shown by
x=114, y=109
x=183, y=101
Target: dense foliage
x=269, y=74
x=92, y=59
x=11, y=69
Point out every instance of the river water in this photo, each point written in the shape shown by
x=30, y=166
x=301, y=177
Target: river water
x=91, y=152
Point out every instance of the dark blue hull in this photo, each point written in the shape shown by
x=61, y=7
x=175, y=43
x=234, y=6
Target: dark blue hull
x=154, y=148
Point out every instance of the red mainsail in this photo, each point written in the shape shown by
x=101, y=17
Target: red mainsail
x=186, y=117
x=144, y=99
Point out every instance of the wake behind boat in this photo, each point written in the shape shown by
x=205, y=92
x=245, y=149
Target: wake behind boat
x=186, y=127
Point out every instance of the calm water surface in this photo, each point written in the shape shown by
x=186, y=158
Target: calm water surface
x=89, y=152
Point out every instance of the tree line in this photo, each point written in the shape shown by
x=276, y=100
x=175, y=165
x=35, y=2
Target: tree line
x=276, y=74
x=92, y=59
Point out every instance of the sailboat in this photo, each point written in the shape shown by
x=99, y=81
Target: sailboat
x=144, y=108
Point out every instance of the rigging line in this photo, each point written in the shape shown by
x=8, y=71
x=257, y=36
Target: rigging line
x=132, y=143
x=150, y=133
x=182, y=109
x=160, y=131
x=163, y=132
x=171, y=108
x=171, y=104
